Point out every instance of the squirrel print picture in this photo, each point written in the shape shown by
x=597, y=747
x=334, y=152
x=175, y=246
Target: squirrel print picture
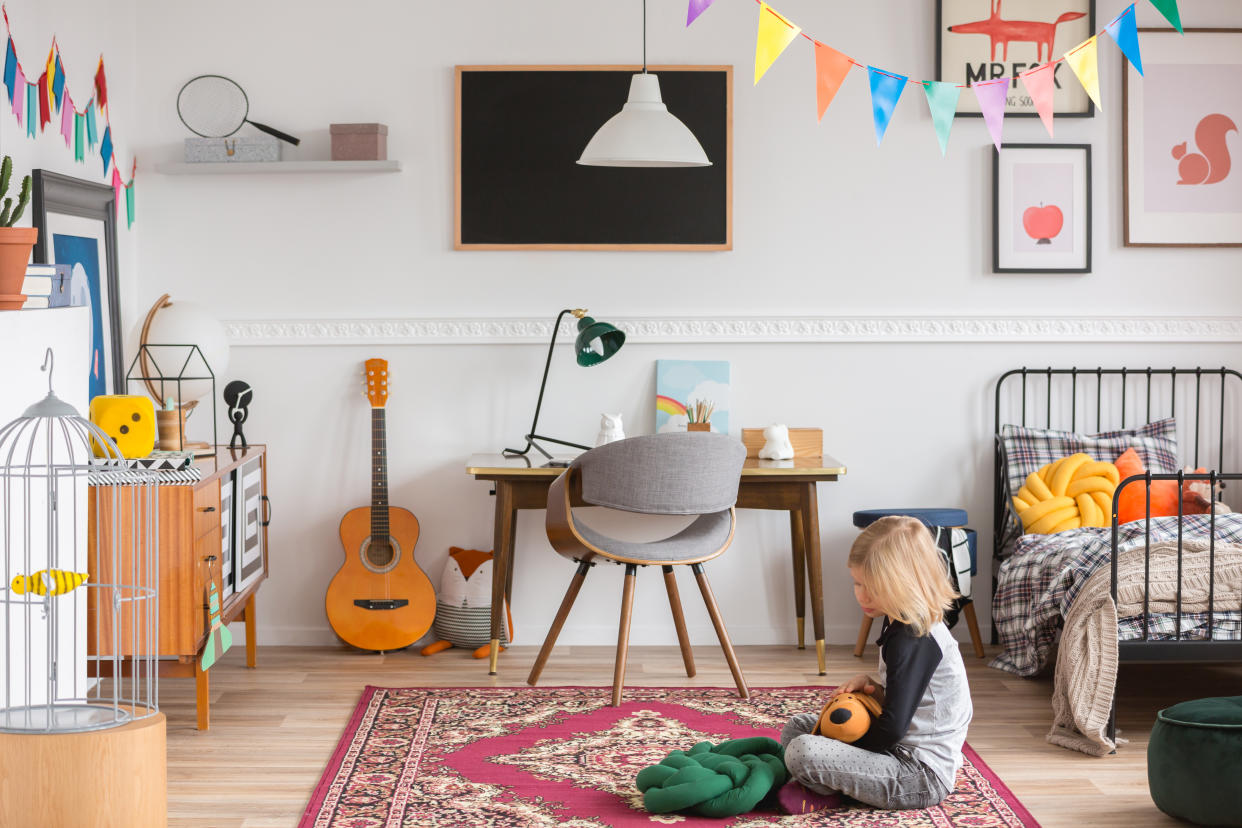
x=1211, y=163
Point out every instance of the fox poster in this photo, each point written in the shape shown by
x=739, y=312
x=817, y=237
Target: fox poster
x=978, y=40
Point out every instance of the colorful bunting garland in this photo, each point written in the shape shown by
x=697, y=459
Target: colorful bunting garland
x=776, y=32
x=37, y=101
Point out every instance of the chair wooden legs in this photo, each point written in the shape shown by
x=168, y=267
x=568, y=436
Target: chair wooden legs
x=679, y=619
x=863, y=633
x=710, y=600
x=973, y=624
x=623, y=633
x=566, y=603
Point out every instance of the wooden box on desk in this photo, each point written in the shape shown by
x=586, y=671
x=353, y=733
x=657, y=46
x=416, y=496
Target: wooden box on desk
x=806, y=442
x=193, y=542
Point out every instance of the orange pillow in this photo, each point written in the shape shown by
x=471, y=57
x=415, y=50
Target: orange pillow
x=1131, y=501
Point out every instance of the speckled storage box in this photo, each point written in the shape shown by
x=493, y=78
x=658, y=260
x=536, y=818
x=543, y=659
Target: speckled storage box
x=359, y=142
x=234, y=148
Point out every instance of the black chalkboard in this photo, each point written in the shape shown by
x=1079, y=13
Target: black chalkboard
x=521, y=129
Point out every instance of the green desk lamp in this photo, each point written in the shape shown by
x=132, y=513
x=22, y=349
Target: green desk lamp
x=596, y=342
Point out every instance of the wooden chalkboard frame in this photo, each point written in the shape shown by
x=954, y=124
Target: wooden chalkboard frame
x=457, y=161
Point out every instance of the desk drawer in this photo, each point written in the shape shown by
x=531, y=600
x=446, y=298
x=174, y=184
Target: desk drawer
x=206, y=509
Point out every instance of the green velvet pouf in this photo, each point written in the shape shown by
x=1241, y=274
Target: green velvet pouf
x=1194, y=761
x=721, y=780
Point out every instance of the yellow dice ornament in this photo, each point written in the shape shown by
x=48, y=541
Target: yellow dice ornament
x=128, y=419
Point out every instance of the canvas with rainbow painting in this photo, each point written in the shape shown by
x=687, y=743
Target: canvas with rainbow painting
x=684, y=386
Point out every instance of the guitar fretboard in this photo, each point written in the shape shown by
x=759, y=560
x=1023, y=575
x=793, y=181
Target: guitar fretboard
x=379, y=475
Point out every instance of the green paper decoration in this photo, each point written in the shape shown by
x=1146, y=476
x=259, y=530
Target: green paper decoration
x=79, y=138
x=129, y=204
x=942, y=101
x=1169, y=9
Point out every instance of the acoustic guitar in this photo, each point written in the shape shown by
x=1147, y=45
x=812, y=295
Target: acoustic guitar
x=379, y=599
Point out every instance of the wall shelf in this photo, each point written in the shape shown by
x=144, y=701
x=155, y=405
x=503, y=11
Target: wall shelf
x=265, y=167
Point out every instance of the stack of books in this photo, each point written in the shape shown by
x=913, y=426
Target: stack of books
x=48, y=286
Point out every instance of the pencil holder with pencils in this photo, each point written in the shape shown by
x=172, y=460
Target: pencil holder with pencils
x=699, y=414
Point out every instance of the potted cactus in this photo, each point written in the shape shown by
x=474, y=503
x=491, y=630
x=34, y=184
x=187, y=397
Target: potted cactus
x=15, y=242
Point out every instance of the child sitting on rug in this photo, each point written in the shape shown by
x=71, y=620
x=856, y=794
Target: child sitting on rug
x=910, y=756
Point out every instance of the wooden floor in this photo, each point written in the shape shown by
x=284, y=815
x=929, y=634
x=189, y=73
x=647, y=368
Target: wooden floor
x=273, y=728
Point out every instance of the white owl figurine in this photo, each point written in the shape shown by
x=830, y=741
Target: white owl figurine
x=609, y=429
x=776, y=445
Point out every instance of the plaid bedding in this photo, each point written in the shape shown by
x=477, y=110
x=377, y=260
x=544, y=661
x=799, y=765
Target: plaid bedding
x=1038, y=582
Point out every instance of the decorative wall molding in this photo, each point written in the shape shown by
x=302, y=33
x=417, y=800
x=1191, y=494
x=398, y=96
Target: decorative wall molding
x=758, y=329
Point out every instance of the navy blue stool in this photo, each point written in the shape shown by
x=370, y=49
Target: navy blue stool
x=932, y=519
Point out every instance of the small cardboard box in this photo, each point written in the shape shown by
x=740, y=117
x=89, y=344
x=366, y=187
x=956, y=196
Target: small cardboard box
x=239, y=148
x=359, y=142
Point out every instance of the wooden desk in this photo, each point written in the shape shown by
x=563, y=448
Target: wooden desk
x=785, y=485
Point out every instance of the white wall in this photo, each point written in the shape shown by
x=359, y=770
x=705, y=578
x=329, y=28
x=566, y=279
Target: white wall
x=825, y=224
x=84, y=30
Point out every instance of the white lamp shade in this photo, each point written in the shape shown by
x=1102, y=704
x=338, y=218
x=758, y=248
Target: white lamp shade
x=644, y=134
x=185, y=323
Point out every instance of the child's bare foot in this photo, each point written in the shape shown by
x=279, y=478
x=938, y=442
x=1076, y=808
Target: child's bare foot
x=794, y=798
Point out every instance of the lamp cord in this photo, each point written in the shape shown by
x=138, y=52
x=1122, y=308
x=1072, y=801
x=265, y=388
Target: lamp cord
x=644, y=37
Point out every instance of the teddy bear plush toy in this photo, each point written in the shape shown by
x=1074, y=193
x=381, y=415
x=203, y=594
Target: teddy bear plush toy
x=847, y=717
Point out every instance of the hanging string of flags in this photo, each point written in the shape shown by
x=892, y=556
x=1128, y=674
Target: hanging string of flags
x=776, y=32
x=40, y=100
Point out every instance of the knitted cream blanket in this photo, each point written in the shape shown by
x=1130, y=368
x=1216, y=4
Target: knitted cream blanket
x=1086, y=672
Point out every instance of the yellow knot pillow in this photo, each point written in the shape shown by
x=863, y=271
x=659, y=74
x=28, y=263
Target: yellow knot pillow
x=1069, y=493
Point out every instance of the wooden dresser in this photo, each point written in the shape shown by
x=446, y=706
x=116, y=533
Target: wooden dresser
x=211, y=530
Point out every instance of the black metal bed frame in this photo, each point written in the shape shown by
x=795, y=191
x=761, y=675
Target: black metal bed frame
x=1006, y=525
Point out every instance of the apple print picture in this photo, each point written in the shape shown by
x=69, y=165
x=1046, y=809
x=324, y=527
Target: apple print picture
x=1042, y=209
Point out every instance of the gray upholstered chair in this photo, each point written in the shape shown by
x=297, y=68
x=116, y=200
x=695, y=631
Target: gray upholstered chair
x=692, y=473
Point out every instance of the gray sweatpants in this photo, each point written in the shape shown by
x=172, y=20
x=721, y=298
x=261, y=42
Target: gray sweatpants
x=894, y=780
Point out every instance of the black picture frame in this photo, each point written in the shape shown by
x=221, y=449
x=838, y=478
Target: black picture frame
x=1000, y=158
x=55, y=194
x=967, y=98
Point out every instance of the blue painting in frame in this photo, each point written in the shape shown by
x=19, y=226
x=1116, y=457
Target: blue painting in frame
x=77, y=227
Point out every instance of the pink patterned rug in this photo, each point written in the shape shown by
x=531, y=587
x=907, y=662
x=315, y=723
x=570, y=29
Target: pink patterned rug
x=561, y=756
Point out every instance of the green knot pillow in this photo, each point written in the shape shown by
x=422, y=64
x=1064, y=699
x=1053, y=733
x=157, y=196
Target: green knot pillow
x=1193, y=759
x=721, y=780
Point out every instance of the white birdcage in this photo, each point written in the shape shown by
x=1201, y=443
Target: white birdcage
x=75, y=654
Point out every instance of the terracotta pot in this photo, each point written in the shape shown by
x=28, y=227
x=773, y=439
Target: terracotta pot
x=15, y=246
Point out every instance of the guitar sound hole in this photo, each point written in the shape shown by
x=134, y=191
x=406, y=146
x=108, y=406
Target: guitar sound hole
x=380, y=555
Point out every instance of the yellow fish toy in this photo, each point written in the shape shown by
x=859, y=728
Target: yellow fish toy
x=49, y=582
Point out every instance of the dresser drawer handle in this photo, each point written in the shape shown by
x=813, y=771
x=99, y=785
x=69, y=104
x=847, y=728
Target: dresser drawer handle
x=267, y=509
x=209, y=558
x=206, y=508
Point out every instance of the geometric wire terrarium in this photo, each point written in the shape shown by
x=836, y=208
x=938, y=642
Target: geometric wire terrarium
x=79, y=628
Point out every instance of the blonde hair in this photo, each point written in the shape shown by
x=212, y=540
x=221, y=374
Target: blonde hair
x=903, y=570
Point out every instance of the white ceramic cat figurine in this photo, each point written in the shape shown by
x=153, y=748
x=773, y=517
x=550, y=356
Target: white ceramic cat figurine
x=776, y=445
x=609, y=429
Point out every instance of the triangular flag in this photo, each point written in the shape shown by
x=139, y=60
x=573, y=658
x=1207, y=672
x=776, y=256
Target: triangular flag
x=66, y=118
x=79, y=138
x=117, y=186
x=10, y=69
x=1040, y=84
x=1169, y=9
x=105, y=149
x=101, y=86
x=50, y=75
x=942, y=101
x=886, y=88
x=775, y=33
x=45, y=105
x=696, y=8
x=831, y=67
x=1124, y=31
x=1082, y=59
x=91, y=137
x=992, y=95
x=129, y=204
x=19, y=99
x=58, y=83
x=32, y=108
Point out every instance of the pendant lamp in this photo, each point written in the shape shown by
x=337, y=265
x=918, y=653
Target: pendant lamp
x=644, y=133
